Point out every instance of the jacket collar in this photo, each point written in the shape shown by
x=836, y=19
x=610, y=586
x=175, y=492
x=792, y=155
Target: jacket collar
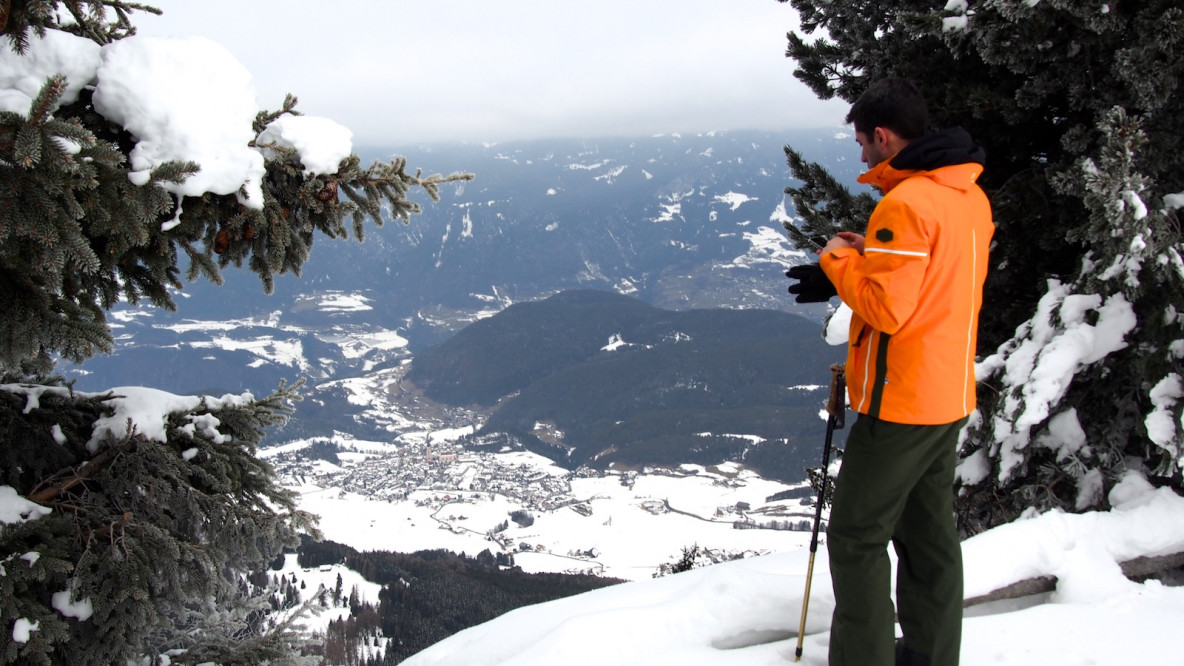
x=885, y=177
x=949, y=157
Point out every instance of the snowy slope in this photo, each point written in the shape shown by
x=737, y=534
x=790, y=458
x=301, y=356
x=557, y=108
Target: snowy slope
x=747, y=612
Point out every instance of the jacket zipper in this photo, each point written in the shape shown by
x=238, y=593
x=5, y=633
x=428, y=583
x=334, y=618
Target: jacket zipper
x=881, y=376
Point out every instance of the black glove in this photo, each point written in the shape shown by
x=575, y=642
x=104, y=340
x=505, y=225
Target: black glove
x=813, y=286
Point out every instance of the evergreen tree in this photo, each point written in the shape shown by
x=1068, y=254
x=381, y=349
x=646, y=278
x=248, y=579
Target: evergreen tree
x=1080, y=107
x=686, y=561
x=123, y=540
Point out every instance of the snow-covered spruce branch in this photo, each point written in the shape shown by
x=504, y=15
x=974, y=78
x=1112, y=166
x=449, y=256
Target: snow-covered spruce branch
x=149, y=505
x=1091, y=382
x=48, y=490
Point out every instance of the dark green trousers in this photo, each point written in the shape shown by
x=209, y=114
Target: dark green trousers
x=895, y=485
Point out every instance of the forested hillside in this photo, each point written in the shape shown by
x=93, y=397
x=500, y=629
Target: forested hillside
x=430, y=595
x=596, y=378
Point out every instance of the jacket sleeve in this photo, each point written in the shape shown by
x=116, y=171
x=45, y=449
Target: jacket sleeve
x=883, y=285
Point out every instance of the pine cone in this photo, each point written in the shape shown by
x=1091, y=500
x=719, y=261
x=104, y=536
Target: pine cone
x=222, y=241
x=328, y=192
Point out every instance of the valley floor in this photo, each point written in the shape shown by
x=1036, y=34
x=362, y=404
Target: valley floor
x=619, y=525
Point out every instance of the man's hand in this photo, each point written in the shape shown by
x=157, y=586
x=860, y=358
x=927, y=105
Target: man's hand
x=813, y=286
x=844, y=239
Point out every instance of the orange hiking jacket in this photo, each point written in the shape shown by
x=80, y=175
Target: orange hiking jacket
x=917, y=288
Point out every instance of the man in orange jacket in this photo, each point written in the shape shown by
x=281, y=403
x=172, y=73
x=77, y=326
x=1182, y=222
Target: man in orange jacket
x=914, y=283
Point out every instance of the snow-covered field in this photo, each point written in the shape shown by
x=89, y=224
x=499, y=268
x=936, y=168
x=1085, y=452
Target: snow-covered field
x=610, y=528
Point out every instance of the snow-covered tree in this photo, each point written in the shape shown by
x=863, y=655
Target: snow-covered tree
x=1081, y=109
x=129, y=518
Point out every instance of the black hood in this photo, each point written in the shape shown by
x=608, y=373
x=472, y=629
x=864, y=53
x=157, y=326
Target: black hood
x=940, y=149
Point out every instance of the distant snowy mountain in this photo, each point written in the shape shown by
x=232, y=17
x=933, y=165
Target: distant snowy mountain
x=678, y=222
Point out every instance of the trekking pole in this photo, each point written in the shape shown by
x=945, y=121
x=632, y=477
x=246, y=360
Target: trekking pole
x=836, y=409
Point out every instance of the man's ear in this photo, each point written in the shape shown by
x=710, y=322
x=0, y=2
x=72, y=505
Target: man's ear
x=887, y=141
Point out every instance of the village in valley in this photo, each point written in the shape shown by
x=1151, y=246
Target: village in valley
x=453, y=486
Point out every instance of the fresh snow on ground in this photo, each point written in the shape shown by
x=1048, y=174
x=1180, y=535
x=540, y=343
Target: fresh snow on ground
x=747, y=611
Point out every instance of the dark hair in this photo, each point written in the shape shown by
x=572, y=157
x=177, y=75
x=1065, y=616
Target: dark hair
x=892, y=103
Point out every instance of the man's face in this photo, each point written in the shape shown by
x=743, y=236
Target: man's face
x=873, y=148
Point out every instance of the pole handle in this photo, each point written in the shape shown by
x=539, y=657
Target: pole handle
x=836, y=404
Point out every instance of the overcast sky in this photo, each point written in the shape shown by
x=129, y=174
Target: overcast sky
x=398, y=72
